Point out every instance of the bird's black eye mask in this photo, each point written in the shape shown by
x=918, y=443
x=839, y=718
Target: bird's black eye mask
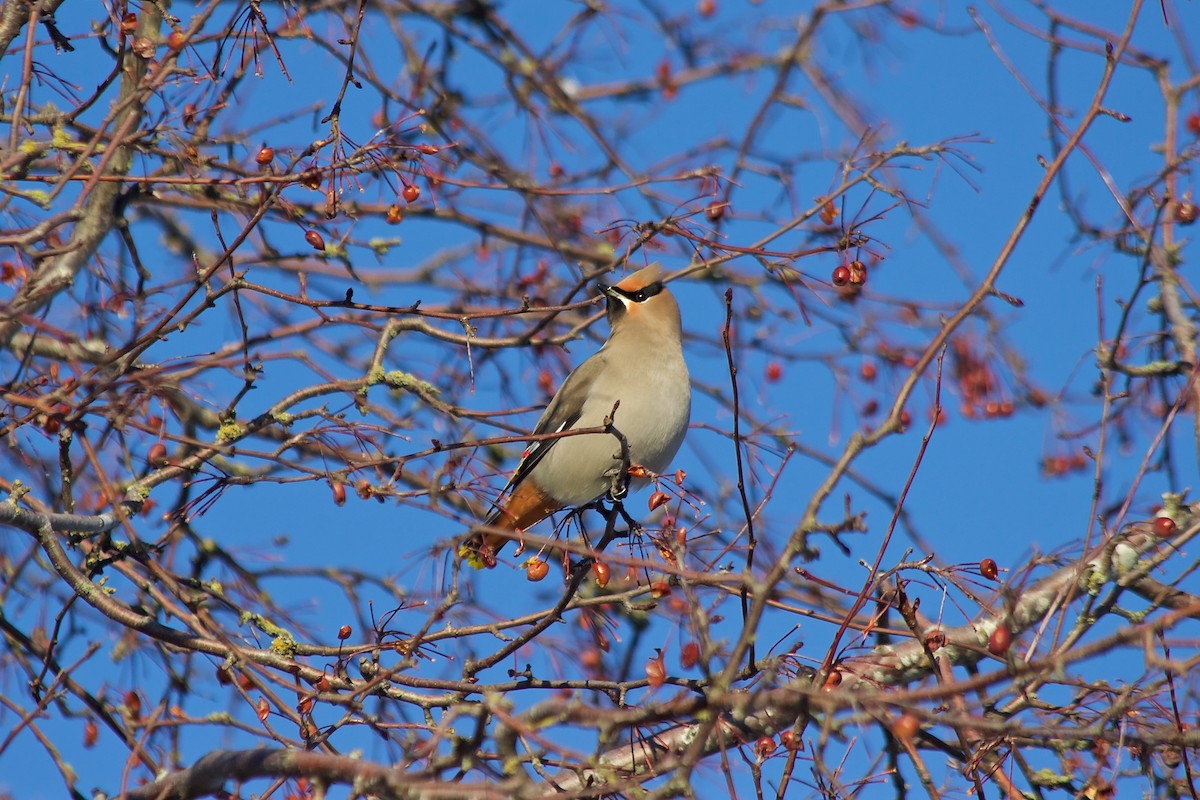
x=639, y=296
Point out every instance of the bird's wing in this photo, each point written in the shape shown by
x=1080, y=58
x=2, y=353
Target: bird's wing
x=561, y=415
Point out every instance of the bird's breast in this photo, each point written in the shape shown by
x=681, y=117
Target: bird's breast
x=654, y=408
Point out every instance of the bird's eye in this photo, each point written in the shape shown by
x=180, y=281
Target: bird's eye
x=644, y=294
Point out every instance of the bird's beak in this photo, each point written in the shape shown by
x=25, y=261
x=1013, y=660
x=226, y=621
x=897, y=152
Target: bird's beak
x=604, y=289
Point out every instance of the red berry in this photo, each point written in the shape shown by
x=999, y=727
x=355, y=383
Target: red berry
x=774, y=372
x=841, y=276
x=315, y=240
x=689, y=656
x=602, y=573
x=706, y=8
x=1164, y=526
x=265, y=156
x=176, y=40
x=133, y=704
x=411, y=193
x=867, y=371
x=1193, y=123
x=658, y=499
x=906, y=727
x=394, y=214
x=935, y=640
x=988, y=569
x=344, y=633
x=1000, y=640
x=536, y=569
x=764, y=746
x=91, y=732
x=157, y=455
x=715, y=211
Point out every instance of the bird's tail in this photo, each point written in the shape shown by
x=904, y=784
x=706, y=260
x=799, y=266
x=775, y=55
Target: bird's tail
x=480, y=549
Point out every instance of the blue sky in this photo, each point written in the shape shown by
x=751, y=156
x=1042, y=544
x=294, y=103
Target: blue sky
x=980, y=491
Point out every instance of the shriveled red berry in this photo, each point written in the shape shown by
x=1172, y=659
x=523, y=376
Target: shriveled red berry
x=656, y=671
x=394, y=214
x=144, y=47
x=829, y=212
x=715, y=211
x=658, y=499
x=660, y=589
x=339, y=493
x=311, y=178
x=1186, y=212
x=689, y=656
x=935, y=640
x=129, y=21
x=91, y=732
x=133, y=704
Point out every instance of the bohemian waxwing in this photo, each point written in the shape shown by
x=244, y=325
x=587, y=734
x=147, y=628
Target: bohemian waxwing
x=641, y=365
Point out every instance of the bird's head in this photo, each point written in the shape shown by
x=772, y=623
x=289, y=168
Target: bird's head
x=641, y=299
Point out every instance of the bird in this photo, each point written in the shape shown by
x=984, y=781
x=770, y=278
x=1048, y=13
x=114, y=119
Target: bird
x=640, y=371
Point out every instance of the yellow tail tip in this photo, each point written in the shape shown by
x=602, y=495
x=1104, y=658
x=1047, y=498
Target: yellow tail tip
x=471, y=555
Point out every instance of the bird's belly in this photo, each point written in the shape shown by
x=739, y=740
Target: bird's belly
x=581, y=468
